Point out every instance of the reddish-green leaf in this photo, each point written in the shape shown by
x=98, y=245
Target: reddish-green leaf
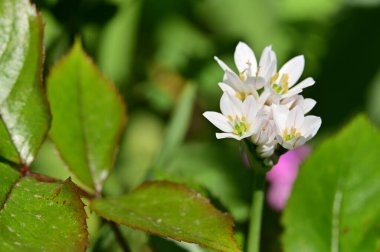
x=40, y=216
x=171, y=210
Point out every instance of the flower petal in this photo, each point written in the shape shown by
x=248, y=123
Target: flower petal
x=257, y=82
x=280, y=115
x=226, y=88
x=226, y=106
x=299, y=87
x=294, y=69
x=244, y=57
x=222, y=64
x=236, y=105
x=311, y=126
x=299, y=141
x=295, y=118
x=233, y=80
x=220, y=121
x=250, y=108
x=227, y=135
x=265, y=56
x=308, y=104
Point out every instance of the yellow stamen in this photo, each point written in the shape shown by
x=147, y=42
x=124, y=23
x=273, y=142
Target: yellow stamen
x=293, y=131
x=285, y=83
x=242, y=76
x=293, y=134
x=274, y=78
x=285, y=133
x=230, y=118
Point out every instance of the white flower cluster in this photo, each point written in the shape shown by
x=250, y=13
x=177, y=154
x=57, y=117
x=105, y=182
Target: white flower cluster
x=263, y=104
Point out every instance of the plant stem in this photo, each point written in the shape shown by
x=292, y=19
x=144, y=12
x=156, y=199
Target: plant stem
x=119, y=237
x=256, y=212
x=260, y=170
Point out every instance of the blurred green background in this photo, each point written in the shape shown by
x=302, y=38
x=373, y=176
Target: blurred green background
x=160, y=56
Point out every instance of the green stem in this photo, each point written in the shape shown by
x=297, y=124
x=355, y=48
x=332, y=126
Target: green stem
x=260, y=170
x=256, y=212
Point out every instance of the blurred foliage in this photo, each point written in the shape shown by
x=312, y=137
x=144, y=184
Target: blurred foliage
x=154, y=49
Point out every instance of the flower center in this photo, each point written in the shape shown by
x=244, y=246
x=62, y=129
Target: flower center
x=282, y=86
x=240, y=125
x=290, y=136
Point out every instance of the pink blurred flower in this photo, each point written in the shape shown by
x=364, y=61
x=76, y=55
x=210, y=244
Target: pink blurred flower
x=282, y=176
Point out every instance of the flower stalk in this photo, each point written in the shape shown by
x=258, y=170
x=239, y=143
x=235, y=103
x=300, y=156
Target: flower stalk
x=253, y=239
x=260, y=169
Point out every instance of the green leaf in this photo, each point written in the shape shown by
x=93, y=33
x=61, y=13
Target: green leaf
x=88, y=117
x=335, y=201
x=40, y=216
x=24, y=112
x=171, y=210
x=219, y=169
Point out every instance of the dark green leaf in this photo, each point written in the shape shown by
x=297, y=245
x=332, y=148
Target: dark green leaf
x=24, y=112
x=335, y=201
x=171, y=210
x=40, y=216
x=88, y=117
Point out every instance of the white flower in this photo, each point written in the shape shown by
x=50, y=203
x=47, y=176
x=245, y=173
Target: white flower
x=238, y=119
x=252, y=76
x=267, y=131
x=283, y=83
x=293, y=128
x=265, y=105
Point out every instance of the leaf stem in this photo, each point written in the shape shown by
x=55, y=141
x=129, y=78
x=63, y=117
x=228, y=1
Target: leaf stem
x=119, y=237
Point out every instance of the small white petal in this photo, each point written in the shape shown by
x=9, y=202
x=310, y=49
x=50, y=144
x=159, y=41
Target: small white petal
x=307, y=105
x=219, y=120
x=267, y=150
x=233, y=80
x=236, y=104
x=250, y=108
x=284, y=144
x=256, y=82
x=299, y=141
x=244, y=56
x=311, y=126
x=295, y=118
x=222, y=64
x=225, y=106
x=299, y=87
x=280, y=115
x=264, y=97
x=294, y=69
x=270, y=71
x=226, y=88
x=227, y=135
x=265, y=56
x=273, y=58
